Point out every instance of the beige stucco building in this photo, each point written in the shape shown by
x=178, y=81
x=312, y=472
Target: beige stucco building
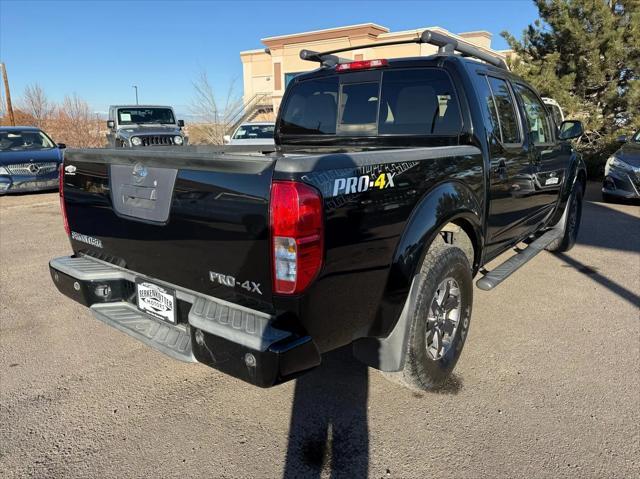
x=265, y=76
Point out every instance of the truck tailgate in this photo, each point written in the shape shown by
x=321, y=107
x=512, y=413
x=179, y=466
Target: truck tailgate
x=197, y=219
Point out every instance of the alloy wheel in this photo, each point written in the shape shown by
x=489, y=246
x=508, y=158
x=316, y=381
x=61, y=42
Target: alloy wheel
x=443, y=319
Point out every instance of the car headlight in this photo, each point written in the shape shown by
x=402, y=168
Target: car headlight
x=615, y=162
x=136, y=141
x=4, y=171
x=177, y=140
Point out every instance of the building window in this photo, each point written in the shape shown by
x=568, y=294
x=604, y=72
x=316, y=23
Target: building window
x=277, y=76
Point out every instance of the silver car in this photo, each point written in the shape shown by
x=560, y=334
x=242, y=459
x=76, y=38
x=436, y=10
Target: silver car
x=256, y=133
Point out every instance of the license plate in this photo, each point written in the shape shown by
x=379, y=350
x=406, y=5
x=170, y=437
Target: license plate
x=157, y=301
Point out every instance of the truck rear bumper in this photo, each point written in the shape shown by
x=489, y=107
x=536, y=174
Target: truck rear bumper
x=233, y=339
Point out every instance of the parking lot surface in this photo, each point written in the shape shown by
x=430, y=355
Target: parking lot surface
x=548, y=384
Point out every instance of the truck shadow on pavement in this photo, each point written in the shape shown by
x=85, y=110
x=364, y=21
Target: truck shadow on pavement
x=606, y=226
x=609, y=228
x=329, y=431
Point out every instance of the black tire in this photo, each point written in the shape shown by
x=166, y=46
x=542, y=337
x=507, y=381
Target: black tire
x=421, y=369
x=571, y=224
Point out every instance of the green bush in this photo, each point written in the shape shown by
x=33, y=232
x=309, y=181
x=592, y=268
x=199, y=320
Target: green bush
x=595, y=161
x=595, y=154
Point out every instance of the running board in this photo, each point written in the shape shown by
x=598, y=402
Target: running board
x=172, y=340
x=496, y=276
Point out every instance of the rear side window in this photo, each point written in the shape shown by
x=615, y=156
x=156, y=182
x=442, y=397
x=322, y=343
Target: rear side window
x=499, y=109
x=506, y=110
x=409, y=102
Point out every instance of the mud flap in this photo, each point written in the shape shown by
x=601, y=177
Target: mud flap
x=388, y=354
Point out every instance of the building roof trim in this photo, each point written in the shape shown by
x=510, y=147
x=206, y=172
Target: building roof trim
x=484, y=33
x=372, y=26
x=252, y=52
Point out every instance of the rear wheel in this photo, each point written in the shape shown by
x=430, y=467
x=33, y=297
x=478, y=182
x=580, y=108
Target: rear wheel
x=441, y=318
x=571, y=226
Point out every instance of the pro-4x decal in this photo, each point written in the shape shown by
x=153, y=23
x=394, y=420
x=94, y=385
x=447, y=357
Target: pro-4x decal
x=358, y=184
x=348, y=181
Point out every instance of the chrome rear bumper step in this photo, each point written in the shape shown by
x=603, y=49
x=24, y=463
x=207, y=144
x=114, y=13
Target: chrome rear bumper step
x=231, y=338
x=496, y=276
x=173, y=340
x=241, y=327
x=237, y=324
x=85, y=268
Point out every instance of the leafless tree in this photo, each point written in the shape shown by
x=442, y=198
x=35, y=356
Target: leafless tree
x=36, y=103
x=213, y=116
x=76, y=125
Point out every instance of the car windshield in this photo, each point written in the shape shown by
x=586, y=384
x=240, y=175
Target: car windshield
x=250, y=132
x=24, y=140
x=131, y=116
x=636, y=137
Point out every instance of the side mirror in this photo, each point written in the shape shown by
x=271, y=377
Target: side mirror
x=571, y=129
x=111, y=124
x=622, y=139
x=180, y=123
x=226, y=139
x=62, y=146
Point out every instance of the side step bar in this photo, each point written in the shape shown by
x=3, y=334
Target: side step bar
x=175, y=341
x=496, y=276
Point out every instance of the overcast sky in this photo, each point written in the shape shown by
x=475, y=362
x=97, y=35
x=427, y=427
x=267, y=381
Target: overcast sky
x=99, y=49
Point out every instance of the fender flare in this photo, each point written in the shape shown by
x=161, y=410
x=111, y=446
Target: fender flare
x=383, y=346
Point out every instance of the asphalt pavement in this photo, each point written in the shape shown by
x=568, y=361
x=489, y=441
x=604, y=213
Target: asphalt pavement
x=548, y=384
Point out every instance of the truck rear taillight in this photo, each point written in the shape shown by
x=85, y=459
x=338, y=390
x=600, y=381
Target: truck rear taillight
x=63, y=208
x=361, y=65
x=296, y=235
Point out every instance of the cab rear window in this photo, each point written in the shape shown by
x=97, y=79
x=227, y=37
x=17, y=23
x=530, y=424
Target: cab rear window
x=403, y=102
x=312, y=108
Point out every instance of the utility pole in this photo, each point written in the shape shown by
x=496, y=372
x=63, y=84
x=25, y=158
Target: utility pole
x=12, y=118
x=136, y=88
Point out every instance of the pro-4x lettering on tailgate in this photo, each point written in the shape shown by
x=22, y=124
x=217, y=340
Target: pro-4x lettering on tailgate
x=232, y=282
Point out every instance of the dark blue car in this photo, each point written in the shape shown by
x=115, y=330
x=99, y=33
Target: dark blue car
x=29, y=160
x=622, y=171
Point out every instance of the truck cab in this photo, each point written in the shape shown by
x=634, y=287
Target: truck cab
x=143, y=126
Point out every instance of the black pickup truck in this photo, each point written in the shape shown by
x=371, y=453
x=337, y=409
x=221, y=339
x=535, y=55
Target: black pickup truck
x=391, y=185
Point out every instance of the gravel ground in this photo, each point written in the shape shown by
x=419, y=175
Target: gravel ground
x=548, y=384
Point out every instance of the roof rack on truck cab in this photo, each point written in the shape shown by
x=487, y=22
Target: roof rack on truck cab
x=446, y=44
